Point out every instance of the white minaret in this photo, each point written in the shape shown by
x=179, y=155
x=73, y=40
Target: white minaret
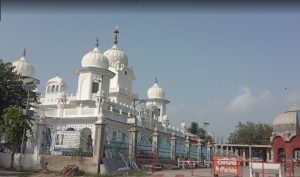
x=156, y=99
x=93, y=74
x=120, y=85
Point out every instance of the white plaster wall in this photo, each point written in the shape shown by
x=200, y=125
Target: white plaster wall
x=29, y=161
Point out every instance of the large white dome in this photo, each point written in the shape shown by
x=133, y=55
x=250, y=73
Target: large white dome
x=155, y=92
x=95, y=58
x=23, y=67
x=114, y=54
x=287, y=121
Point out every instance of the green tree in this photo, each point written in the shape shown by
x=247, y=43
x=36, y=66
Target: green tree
x=251, y=133
x=195, y=129
x=12, y=90
x=15, y=124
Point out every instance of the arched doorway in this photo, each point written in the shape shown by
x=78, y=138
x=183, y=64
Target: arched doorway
x=296, y=153
x=86, y=142
x=47, y=140
x=281, y=155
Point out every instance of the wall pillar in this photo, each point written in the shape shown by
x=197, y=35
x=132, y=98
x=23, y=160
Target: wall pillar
x=60, y=106
x=236, y=152
x=132, y=142
x=227, y=151
x=199, y=145
x=155, y=143
x=99, y=141
x=272, y=155
x=187, y=147
x=250, y=152
x=40, y=131
x=222, y=150
x=268, y=155
x=208, y=151
x=244, y=156
x=173, y=146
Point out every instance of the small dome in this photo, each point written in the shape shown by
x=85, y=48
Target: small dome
x=95, y=58
x=287, y=121
x=165, y=117
x=23, y=67
x=285, y=118
x=115, y=55
x=57, y=80
x=183, y=124
x=155, y=92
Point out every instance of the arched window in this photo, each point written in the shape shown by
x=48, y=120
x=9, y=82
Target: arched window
x=70, y=129
x=53, y=89
x=95, y=87
x=47, y=140
x=86, y=141
x=57, y=89
x=281, y=155
x=296, y=153
x=114, y=136
x=123, y=137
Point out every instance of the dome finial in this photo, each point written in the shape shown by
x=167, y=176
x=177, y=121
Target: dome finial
x=156, y=80
x=116, y=31
x=24, y=52
x=97, y=42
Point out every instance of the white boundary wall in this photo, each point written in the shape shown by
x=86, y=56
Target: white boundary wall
x=30, y=159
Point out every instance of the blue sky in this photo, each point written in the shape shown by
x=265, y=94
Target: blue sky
x=215, y=66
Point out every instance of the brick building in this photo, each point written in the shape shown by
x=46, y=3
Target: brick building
x=286, y=135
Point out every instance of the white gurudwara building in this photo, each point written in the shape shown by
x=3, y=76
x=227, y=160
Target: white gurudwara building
x=104, y=89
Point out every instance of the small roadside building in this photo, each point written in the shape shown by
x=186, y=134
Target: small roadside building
x=286, y=135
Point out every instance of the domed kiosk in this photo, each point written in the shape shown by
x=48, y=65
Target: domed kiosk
x=286, y=135
x=156, y=99
x=55, y=90
x=155, y=92
x=93, y=75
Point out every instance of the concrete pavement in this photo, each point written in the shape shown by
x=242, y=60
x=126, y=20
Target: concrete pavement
x=205, y=172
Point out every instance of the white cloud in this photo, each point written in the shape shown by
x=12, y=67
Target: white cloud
x=246, y=102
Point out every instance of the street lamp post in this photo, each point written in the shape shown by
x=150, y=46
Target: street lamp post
x=134, y=108
x=133, y=132
x=205, y=125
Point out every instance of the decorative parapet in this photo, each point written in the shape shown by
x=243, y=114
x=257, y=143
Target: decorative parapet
x=286, y=135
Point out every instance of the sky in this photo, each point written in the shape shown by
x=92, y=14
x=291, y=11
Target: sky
x=216, y=65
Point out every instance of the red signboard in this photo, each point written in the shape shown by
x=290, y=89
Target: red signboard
x=226, y=166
